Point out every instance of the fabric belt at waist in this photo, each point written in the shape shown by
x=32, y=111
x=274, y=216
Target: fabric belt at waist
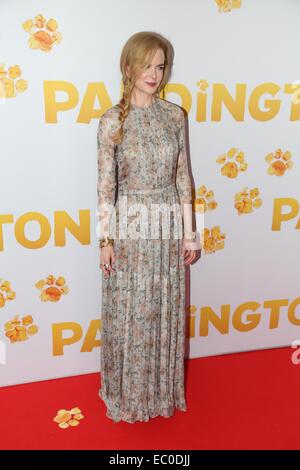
x=123, y=190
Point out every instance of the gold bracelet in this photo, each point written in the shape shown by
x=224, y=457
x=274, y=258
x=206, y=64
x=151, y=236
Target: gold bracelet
x=105, y=238
x=105, y=241
x=105, y=244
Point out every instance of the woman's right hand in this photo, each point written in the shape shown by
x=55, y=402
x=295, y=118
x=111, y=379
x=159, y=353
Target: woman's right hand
x=107, y=255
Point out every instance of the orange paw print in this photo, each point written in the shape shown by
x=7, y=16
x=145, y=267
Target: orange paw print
x=9, y=86
x=20, y=330
x=225, y=6
x=6, y=293
x=231, y=168
x=66, y=418
x=42, y=35
x=279, y=162
x=205, y=201
x=52, y=288
x=213, y=239
x=246, y=200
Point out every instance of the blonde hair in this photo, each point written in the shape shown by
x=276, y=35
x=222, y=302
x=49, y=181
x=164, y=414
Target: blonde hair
x=137, y=52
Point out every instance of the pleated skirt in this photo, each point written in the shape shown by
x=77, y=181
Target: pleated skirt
x=143, y=314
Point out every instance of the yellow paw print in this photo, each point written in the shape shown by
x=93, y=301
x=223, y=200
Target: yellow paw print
x=202, y=84
x=52, y=288
x=213, y=239
x=205, y=201
x=18, y=330
x=192, y=309
x=42, y=35
x=296, y=94
x=246, y=200
x=6, y=292
x=225, y=6
x=66, y=418
x=231, y=168
x=279, y=162
x=9, y=86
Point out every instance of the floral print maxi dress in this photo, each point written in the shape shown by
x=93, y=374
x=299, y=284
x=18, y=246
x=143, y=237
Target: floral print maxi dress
x=143, y=302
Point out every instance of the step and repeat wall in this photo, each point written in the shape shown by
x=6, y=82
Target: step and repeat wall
x=236, y=72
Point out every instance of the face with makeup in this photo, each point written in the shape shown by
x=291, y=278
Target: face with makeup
x=149, y=79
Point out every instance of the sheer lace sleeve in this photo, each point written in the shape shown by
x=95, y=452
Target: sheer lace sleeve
x=106, y=185
x=184, y=187
x=183, y=181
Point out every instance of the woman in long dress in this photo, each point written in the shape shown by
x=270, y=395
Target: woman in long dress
x=142, y=160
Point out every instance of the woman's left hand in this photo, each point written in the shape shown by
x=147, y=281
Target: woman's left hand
x=189, y=250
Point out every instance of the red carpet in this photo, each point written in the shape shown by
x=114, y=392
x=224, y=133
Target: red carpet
x=235, y=401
